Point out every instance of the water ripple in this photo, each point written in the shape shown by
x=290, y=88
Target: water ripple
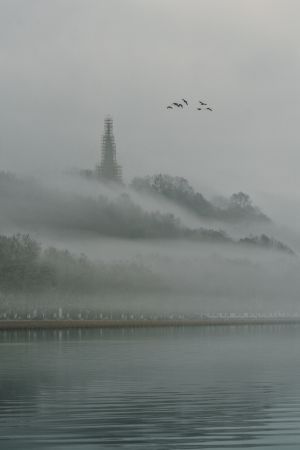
x=182, y=390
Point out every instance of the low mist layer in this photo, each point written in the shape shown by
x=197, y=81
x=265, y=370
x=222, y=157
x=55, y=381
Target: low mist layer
x=160, y=279
x=26, y=204
x=127, y=250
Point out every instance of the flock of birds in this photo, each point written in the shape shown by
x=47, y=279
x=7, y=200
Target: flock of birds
x=203, y=106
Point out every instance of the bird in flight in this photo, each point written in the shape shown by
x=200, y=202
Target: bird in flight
x=186, y=103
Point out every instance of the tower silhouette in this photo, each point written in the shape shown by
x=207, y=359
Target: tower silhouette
x=109, y=170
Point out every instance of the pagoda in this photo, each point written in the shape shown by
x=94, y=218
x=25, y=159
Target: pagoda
x=109, y=170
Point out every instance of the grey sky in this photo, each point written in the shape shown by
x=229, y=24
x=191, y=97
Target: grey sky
x=65, y=64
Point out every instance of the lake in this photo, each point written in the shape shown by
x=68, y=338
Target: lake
x=215, y=387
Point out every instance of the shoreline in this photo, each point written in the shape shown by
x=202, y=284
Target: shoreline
x=146, y=323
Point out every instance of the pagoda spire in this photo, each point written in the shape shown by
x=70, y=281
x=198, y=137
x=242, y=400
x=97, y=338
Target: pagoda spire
x=109, y=170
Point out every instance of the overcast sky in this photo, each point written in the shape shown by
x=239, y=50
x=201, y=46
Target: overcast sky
x=65, y=64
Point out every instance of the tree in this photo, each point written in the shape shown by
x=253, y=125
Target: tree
x=241, y=200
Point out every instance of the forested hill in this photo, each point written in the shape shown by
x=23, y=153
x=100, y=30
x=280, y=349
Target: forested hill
x=28, y=206
x=238, y=207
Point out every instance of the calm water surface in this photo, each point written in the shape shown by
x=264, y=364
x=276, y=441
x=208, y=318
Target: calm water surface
x=192, y=388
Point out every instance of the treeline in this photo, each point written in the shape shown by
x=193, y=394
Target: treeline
x=26, y=267
x=264, y=241
x=238, y=207
x=26, y=205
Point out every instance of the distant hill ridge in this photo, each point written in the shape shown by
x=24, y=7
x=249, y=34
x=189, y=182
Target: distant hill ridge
x=238, y=207
x=27, y=205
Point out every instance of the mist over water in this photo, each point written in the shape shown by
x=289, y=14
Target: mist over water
x=141, y=257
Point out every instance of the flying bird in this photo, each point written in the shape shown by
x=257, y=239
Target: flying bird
x=186, y=103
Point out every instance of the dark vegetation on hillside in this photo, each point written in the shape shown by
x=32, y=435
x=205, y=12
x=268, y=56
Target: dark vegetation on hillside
x=26, y=267
x=264, y=241
x=238, y=207
x=27, y=205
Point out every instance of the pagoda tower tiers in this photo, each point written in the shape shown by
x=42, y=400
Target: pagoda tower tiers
x=109, y=170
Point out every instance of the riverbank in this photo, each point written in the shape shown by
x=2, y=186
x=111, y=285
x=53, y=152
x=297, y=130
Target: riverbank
x=115, y=323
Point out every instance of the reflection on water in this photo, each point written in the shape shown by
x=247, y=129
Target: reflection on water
x=189, y=388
